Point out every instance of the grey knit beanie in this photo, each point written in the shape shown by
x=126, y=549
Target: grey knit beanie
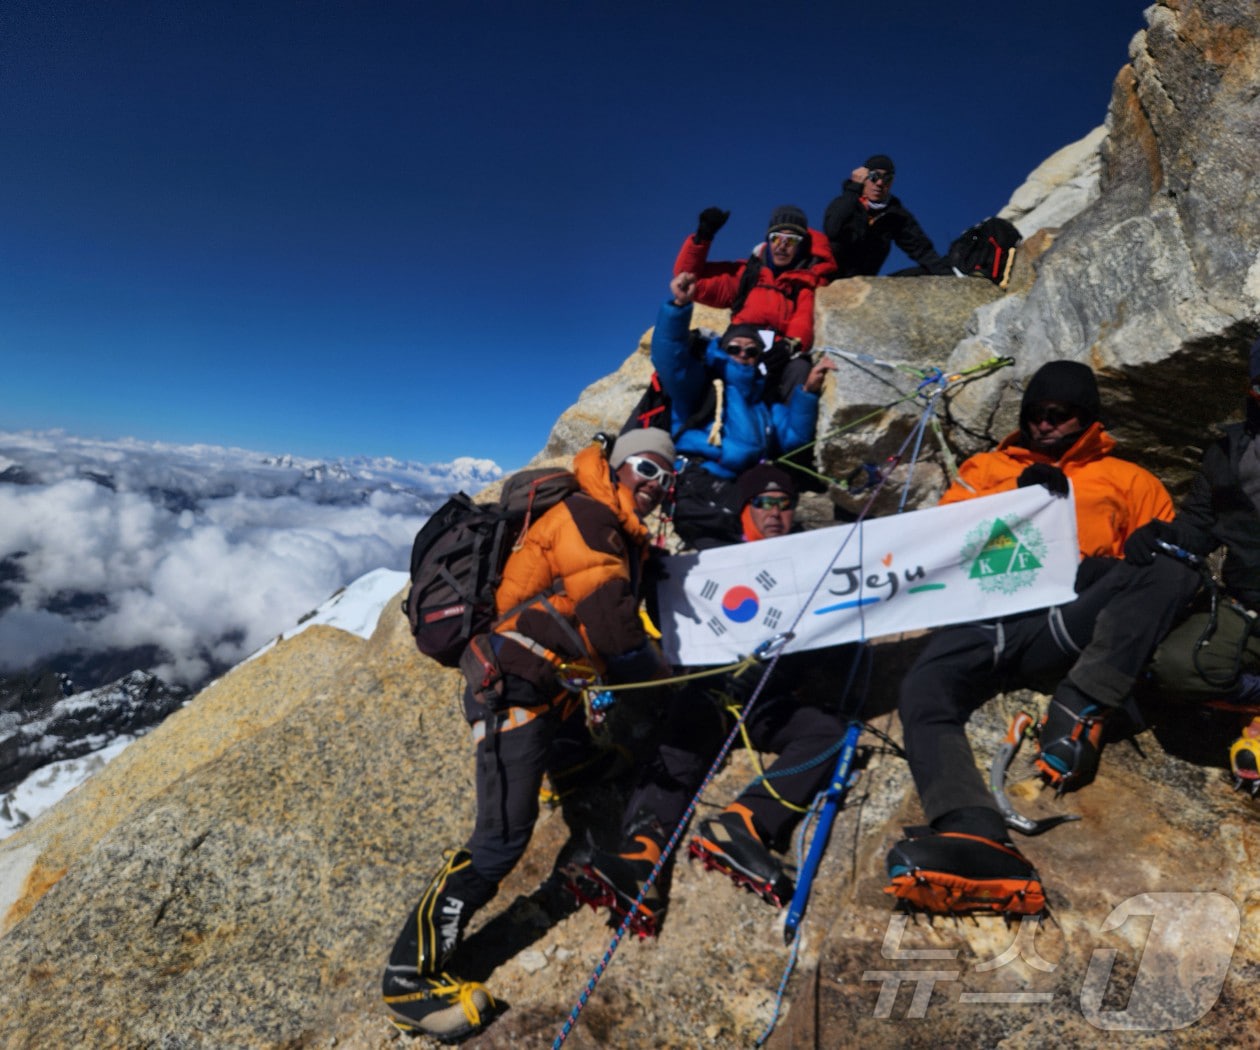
x=637, y=442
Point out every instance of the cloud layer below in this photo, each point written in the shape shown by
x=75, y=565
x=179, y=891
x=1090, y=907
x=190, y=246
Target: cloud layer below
x=205, y=553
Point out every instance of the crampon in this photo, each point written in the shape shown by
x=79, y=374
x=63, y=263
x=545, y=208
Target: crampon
x=958, y=874
x=775, y=890
x=588, y=886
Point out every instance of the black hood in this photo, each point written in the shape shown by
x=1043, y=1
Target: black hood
x=1069, y=382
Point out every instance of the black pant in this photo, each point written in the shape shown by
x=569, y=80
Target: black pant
x=1100, y=642
x=511, y=760
x=695, y=728
x=706, y=511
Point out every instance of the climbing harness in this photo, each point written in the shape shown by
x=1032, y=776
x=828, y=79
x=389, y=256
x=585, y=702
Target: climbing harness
x=932, y=383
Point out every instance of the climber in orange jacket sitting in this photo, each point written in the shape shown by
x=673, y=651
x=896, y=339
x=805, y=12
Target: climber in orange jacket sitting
x=1088, y=651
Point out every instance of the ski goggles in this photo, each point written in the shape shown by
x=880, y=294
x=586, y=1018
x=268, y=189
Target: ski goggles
x=883, y=177
x=772, y=502
x=650, y=471
x=784, y=239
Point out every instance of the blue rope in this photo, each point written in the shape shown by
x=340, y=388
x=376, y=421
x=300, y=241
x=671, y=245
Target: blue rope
x=666, y=852
x=817, y=760
x=835, y=748
x=919, y=430
x=668, y=849
x=781, y=993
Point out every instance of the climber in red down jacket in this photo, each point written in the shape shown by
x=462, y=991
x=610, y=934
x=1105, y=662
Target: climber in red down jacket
x=774, y=287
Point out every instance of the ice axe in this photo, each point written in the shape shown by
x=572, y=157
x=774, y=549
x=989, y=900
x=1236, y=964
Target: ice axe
x=1015, y=734
x=842, y=778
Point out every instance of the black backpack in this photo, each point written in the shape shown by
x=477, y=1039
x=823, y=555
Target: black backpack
x=458, y=556
x=986, y=250
x=653, y=408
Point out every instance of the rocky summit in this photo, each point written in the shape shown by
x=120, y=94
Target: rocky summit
x=236, y=877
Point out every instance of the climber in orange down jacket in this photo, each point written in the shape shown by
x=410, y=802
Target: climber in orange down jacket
x=1088, y=652
x=576, y=580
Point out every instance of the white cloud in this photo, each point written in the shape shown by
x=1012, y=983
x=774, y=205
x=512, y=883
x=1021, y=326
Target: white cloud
x=206, y=552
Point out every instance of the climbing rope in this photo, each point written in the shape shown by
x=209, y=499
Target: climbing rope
x=715, y=431
x=666, y=852
x=932, y=384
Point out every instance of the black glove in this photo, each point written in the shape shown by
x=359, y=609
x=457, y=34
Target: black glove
x=1052, y=477
x=1142, y=546
x=711, y=220
x=643, y=664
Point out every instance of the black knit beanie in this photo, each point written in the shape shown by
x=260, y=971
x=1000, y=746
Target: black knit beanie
x=790, y=218
x=1070, y=382
x=765, y=477
x=749, y=331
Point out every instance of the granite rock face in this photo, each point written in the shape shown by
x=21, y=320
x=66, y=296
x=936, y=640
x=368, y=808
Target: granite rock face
x=237, y=876
x=1059, y=188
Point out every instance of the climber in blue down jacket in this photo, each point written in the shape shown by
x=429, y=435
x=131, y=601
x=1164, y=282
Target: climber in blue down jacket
x=718, y=416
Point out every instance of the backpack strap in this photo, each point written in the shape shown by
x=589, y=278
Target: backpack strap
x=747, y=282
x=656, y=402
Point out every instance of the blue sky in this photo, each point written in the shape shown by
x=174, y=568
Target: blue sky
x=419, y=230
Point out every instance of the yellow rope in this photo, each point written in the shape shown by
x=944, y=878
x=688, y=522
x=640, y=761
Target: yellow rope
x=715, y=431
x=734, y=709
x=591, y=687
x=583, y=686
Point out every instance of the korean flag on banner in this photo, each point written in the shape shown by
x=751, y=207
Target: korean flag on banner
x=975, y=560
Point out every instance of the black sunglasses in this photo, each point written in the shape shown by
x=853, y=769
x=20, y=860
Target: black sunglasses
x=1056, y=417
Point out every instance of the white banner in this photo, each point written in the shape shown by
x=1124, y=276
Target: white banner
x=976, y=560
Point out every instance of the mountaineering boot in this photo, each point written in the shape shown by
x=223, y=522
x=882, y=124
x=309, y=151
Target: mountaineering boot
x=1244, y=759
x=1070, y=736
x=730, y=843
x=954, y=872
x=420, y=995
x=616, y=880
